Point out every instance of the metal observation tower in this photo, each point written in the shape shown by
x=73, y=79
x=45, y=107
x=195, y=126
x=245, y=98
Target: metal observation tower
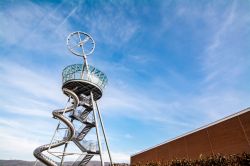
x=83, y=84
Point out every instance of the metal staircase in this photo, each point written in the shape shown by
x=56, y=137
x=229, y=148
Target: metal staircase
x=85, y=116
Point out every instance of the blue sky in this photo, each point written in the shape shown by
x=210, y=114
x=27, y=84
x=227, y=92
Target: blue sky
x=172, y=66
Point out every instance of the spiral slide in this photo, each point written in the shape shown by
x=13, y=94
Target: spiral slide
x=71, y=131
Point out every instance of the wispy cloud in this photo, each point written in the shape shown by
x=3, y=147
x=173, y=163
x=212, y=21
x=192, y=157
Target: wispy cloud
x=108, y=24
x=215, y=52
x=224, y=60
x=13, y=149
x=29, y=81
x=223, y=28
x=70, y=14
x=27, y=100
x=205, y=107
x=15, y=131
x=30, y=27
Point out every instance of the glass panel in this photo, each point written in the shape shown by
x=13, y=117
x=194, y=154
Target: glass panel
x=74, y=72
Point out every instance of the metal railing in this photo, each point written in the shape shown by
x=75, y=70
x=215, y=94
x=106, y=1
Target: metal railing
x=90, y=145
x=75, y=71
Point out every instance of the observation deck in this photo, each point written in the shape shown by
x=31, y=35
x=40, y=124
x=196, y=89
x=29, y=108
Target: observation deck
x=95, y=82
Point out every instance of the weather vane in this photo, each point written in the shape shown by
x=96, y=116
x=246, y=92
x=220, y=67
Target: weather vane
x=83, y=84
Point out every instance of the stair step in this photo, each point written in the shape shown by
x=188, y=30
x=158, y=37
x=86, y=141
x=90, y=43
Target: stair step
x=78, y=144
x=84, y=132
x=86, y=159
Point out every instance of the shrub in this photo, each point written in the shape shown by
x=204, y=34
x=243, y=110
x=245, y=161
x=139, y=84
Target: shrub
x=214, y=160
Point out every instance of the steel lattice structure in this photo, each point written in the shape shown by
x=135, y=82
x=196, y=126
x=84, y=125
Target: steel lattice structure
x=83, y=84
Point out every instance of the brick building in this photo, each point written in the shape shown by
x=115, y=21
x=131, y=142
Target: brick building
x=230, y=135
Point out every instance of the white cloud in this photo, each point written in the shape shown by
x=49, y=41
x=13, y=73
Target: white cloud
x=33, y=82
x=27, y=99
x=225, y=58
x=215, y=58
x=109, y=25
x=184, y=112
x=223, y=28
x=13, y=147
x=21, y=136
x=34, y=28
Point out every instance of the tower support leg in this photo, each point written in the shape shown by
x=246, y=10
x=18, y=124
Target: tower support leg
x=103, y=130
x=97, y=130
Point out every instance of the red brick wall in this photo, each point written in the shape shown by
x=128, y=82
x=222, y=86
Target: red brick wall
x=231, y=136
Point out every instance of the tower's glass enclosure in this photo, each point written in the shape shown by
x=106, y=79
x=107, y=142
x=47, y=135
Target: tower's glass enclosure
x=74, y=72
